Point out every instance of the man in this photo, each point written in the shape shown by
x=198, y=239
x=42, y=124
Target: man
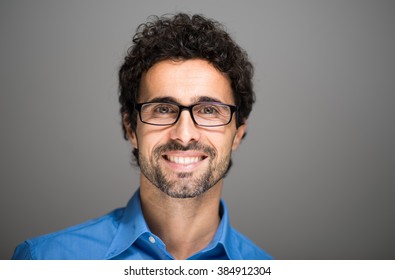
x=185, y=95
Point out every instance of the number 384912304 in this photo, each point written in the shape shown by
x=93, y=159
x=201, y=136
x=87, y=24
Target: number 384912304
x=249, y=270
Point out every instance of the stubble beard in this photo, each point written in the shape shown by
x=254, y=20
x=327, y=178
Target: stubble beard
x=186, y=185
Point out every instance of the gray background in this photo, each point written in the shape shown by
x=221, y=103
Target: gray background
x=314, y=179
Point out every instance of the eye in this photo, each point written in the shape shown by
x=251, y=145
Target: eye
x=208, y=110
x=164, y=109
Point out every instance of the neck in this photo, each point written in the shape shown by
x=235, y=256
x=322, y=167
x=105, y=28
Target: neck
x=185, y=225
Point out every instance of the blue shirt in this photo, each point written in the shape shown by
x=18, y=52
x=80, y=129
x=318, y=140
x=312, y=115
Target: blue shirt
x=123, y=234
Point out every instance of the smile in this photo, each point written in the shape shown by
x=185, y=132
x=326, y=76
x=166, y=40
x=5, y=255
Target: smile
x=184, y=160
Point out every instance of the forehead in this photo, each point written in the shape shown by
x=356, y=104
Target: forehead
x=185, y=81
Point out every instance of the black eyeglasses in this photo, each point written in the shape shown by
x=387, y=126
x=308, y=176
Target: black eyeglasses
x=207, y=114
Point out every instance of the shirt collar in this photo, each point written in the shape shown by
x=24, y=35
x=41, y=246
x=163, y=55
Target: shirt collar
x=132, y=225
x=224, y=236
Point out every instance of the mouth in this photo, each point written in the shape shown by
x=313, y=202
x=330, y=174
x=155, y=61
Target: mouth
x=184, y=160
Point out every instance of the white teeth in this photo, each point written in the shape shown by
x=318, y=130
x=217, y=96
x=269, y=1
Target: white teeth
x=183, y=160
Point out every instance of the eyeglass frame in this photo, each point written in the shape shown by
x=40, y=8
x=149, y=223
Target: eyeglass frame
x=233, y=109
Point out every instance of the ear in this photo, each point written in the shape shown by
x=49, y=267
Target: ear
x=241, y=130
x=131, y=134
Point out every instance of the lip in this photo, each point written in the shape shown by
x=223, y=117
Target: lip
x=184, y=161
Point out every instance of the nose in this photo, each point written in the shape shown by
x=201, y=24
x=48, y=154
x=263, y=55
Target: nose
x=185, y=130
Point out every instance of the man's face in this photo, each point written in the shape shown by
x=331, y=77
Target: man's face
x=185, y=160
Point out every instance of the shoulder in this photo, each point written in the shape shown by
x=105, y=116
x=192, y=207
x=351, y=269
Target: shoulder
x=247, y=249
x=88, y=240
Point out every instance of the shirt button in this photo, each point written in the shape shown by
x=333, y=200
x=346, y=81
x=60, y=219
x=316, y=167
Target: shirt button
x=151, y=239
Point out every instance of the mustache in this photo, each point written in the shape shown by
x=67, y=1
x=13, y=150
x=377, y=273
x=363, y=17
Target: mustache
x=175, y=146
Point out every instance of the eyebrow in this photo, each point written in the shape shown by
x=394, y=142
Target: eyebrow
x=163, y=99
x=173, y=100
x=208, y=99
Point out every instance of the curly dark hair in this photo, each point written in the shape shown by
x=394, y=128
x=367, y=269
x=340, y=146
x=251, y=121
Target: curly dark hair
x=181, y=37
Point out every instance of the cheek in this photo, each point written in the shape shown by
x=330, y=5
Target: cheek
x=149, y=139
x=222, y=142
